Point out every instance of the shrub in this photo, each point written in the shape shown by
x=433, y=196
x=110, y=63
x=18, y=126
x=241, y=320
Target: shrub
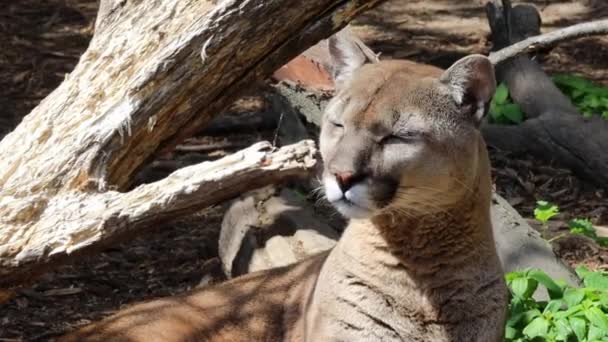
x=570, y=314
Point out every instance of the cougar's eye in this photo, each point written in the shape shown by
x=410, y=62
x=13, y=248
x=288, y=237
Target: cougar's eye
x=335, y=124
x=404, y=137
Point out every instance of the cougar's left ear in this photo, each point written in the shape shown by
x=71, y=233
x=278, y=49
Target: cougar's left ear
x=472, y=83
x=348, y=53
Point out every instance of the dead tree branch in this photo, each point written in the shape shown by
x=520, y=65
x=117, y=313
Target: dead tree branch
x=550, y=39
x=95, y=219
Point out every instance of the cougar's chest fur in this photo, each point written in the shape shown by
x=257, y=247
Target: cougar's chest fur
x=365, y=292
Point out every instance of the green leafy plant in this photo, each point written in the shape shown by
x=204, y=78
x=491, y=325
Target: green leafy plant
x=570, y=314
x=544, y=211
x=502, y=109
x=585, y=227
x=590, y=99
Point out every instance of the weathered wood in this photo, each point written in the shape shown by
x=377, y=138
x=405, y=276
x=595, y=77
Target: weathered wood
x=554, y=129
x=97, y=218
x=74, y=221
x=154, y=72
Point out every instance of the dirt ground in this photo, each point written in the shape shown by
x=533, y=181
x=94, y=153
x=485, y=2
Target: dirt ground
x=40, y=41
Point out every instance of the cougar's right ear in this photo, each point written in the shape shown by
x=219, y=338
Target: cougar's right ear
x=348, y=54
x=472, y=84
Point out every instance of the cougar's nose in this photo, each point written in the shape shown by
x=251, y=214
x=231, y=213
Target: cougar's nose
x=345, y=180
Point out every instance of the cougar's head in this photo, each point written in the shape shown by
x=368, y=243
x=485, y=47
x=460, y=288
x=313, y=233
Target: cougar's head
x=400, y=136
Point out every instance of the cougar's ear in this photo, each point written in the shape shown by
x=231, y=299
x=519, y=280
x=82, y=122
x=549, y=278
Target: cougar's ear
x=472, y=83
x=348, y=54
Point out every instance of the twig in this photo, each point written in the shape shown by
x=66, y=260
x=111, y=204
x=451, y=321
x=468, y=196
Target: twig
x=549, y=39
x=557, y=237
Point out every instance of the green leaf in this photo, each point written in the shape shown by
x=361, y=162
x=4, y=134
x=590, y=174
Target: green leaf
x=572, y=81
x=596, y=280
x=603, y=299
x=582, y=226
x=573, y=311
x=576, y=94
x=544, y=211
x=495, y=112
x=593, y=101
x=513, y=112
x=519, y=287
x=579, y=327
x=510, y=333
x=555, y=291
x=537, y=328
x=589, y=98
x=563, y=329
x=553, y=306
x=501, y=94
x=597, y=317
x=595, y=333
x=514, y=275
x=582, y=272
x=573, y=296
x=530, y=315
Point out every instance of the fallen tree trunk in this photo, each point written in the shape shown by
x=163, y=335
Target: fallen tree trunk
x=154, y=72
x=554, y=128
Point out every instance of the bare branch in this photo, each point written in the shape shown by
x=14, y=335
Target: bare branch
x=94, y=219
x=549, y=39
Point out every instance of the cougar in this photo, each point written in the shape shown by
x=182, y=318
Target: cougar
x=405, y=162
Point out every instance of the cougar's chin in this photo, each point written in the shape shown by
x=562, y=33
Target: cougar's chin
x=352, y=210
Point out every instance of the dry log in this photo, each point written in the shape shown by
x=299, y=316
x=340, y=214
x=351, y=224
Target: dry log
x=554, y=128
x=154, y=72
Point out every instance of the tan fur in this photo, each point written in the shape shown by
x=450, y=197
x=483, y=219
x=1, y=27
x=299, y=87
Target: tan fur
x=421, y=267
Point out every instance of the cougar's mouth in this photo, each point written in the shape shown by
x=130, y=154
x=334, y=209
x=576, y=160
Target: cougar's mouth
x=352, y=203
